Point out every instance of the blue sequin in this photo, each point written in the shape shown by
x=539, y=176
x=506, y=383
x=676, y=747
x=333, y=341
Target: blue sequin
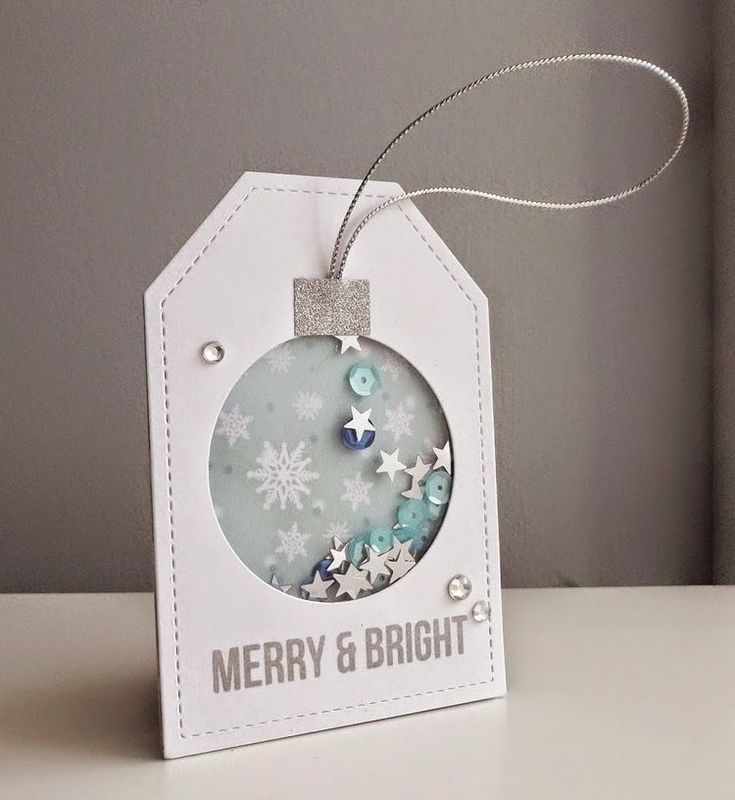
x=323, y=569
x=350, y=440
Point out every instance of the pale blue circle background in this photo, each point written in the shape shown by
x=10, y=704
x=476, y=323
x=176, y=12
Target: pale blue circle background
x=291, y=404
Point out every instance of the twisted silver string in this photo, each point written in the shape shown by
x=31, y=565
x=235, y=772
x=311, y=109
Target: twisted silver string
x=337, y=264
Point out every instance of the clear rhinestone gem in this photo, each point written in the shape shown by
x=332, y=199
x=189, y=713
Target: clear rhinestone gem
x=212, y=352
x=480, y=611
x=459, y=587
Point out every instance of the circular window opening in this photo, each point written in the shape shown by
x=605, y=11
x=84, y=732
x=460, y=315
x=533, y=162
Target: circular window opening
x=330, y=467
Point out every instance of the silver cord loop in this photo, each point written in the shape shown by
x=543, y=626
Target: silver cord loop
x=337, y=264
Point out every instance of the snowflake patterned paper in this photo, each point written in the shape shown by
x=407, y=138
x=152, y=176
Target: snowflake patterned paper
x=233, y=425
x=307, y=405
x=357, y=491
x=292, y=542
x=399, y=421
x=283, y=476
x=284, y=483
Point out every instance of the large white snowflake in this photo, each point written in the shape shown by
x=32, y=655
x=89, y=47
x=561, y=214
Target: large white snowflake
x=394, y=366
x=280, y=359
x=307, y=405
x=357, y=491
x=283, y=475
x=233, y=425
x=399, y=421
x=338, y=530
x=292, y=543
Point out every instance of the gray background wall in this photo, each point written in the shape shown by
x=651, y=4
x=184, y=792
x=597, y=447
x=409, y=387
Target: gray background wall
x=124, y=123
x=723, y=193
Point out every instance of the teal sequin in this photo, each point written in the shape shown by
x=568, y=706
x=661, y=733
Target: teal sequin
x=356, y=548
x=438, y=487
x=364, y=378
x=381, y=539
x=411, y=512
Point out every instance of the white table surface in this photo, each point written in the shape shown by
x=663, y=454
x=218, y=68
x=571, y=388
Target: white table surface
x=613, y=693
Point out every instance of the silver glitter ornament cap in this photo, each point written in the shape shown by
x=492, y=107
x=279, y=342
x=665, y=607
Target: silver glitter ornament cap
x=332, y=307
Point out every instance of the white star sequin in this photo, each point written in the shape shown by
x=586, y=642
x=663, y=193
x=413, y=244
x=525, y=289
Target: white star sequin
x=317, y=589
x=352, y=583
x=348, y=342
x=416, y=492
x=402, y=562
x=374, y=564
x=390, y=464
x=276, y=584
x=395, y=549
x=338, y=554
x=419, y=470
x=443, y=458
x=360, y=422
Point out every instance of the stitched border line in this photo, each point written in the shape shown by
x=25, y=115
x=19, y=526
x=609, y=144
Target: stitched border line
x=169, y=475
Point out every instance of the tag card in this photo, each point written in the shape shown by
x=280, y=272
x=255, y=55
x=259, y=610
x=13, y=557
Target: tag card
x=325, y=509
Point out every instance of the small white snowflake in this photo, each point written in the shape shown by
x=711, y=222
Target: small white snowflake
x=283, y=475
x=307, y=405
x=338, y=530
x=394, y=366
x=233, y=425
x=292, y=543
x=357, y=491
x=399, y=421
x=280, y=359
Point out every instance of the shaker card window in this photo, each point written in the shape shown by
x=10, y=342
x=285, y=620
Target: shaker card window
x=307, y=472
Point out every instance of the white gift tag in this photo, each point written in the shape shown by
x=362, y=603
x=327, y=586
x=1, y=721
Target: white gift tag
x=256, y=469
